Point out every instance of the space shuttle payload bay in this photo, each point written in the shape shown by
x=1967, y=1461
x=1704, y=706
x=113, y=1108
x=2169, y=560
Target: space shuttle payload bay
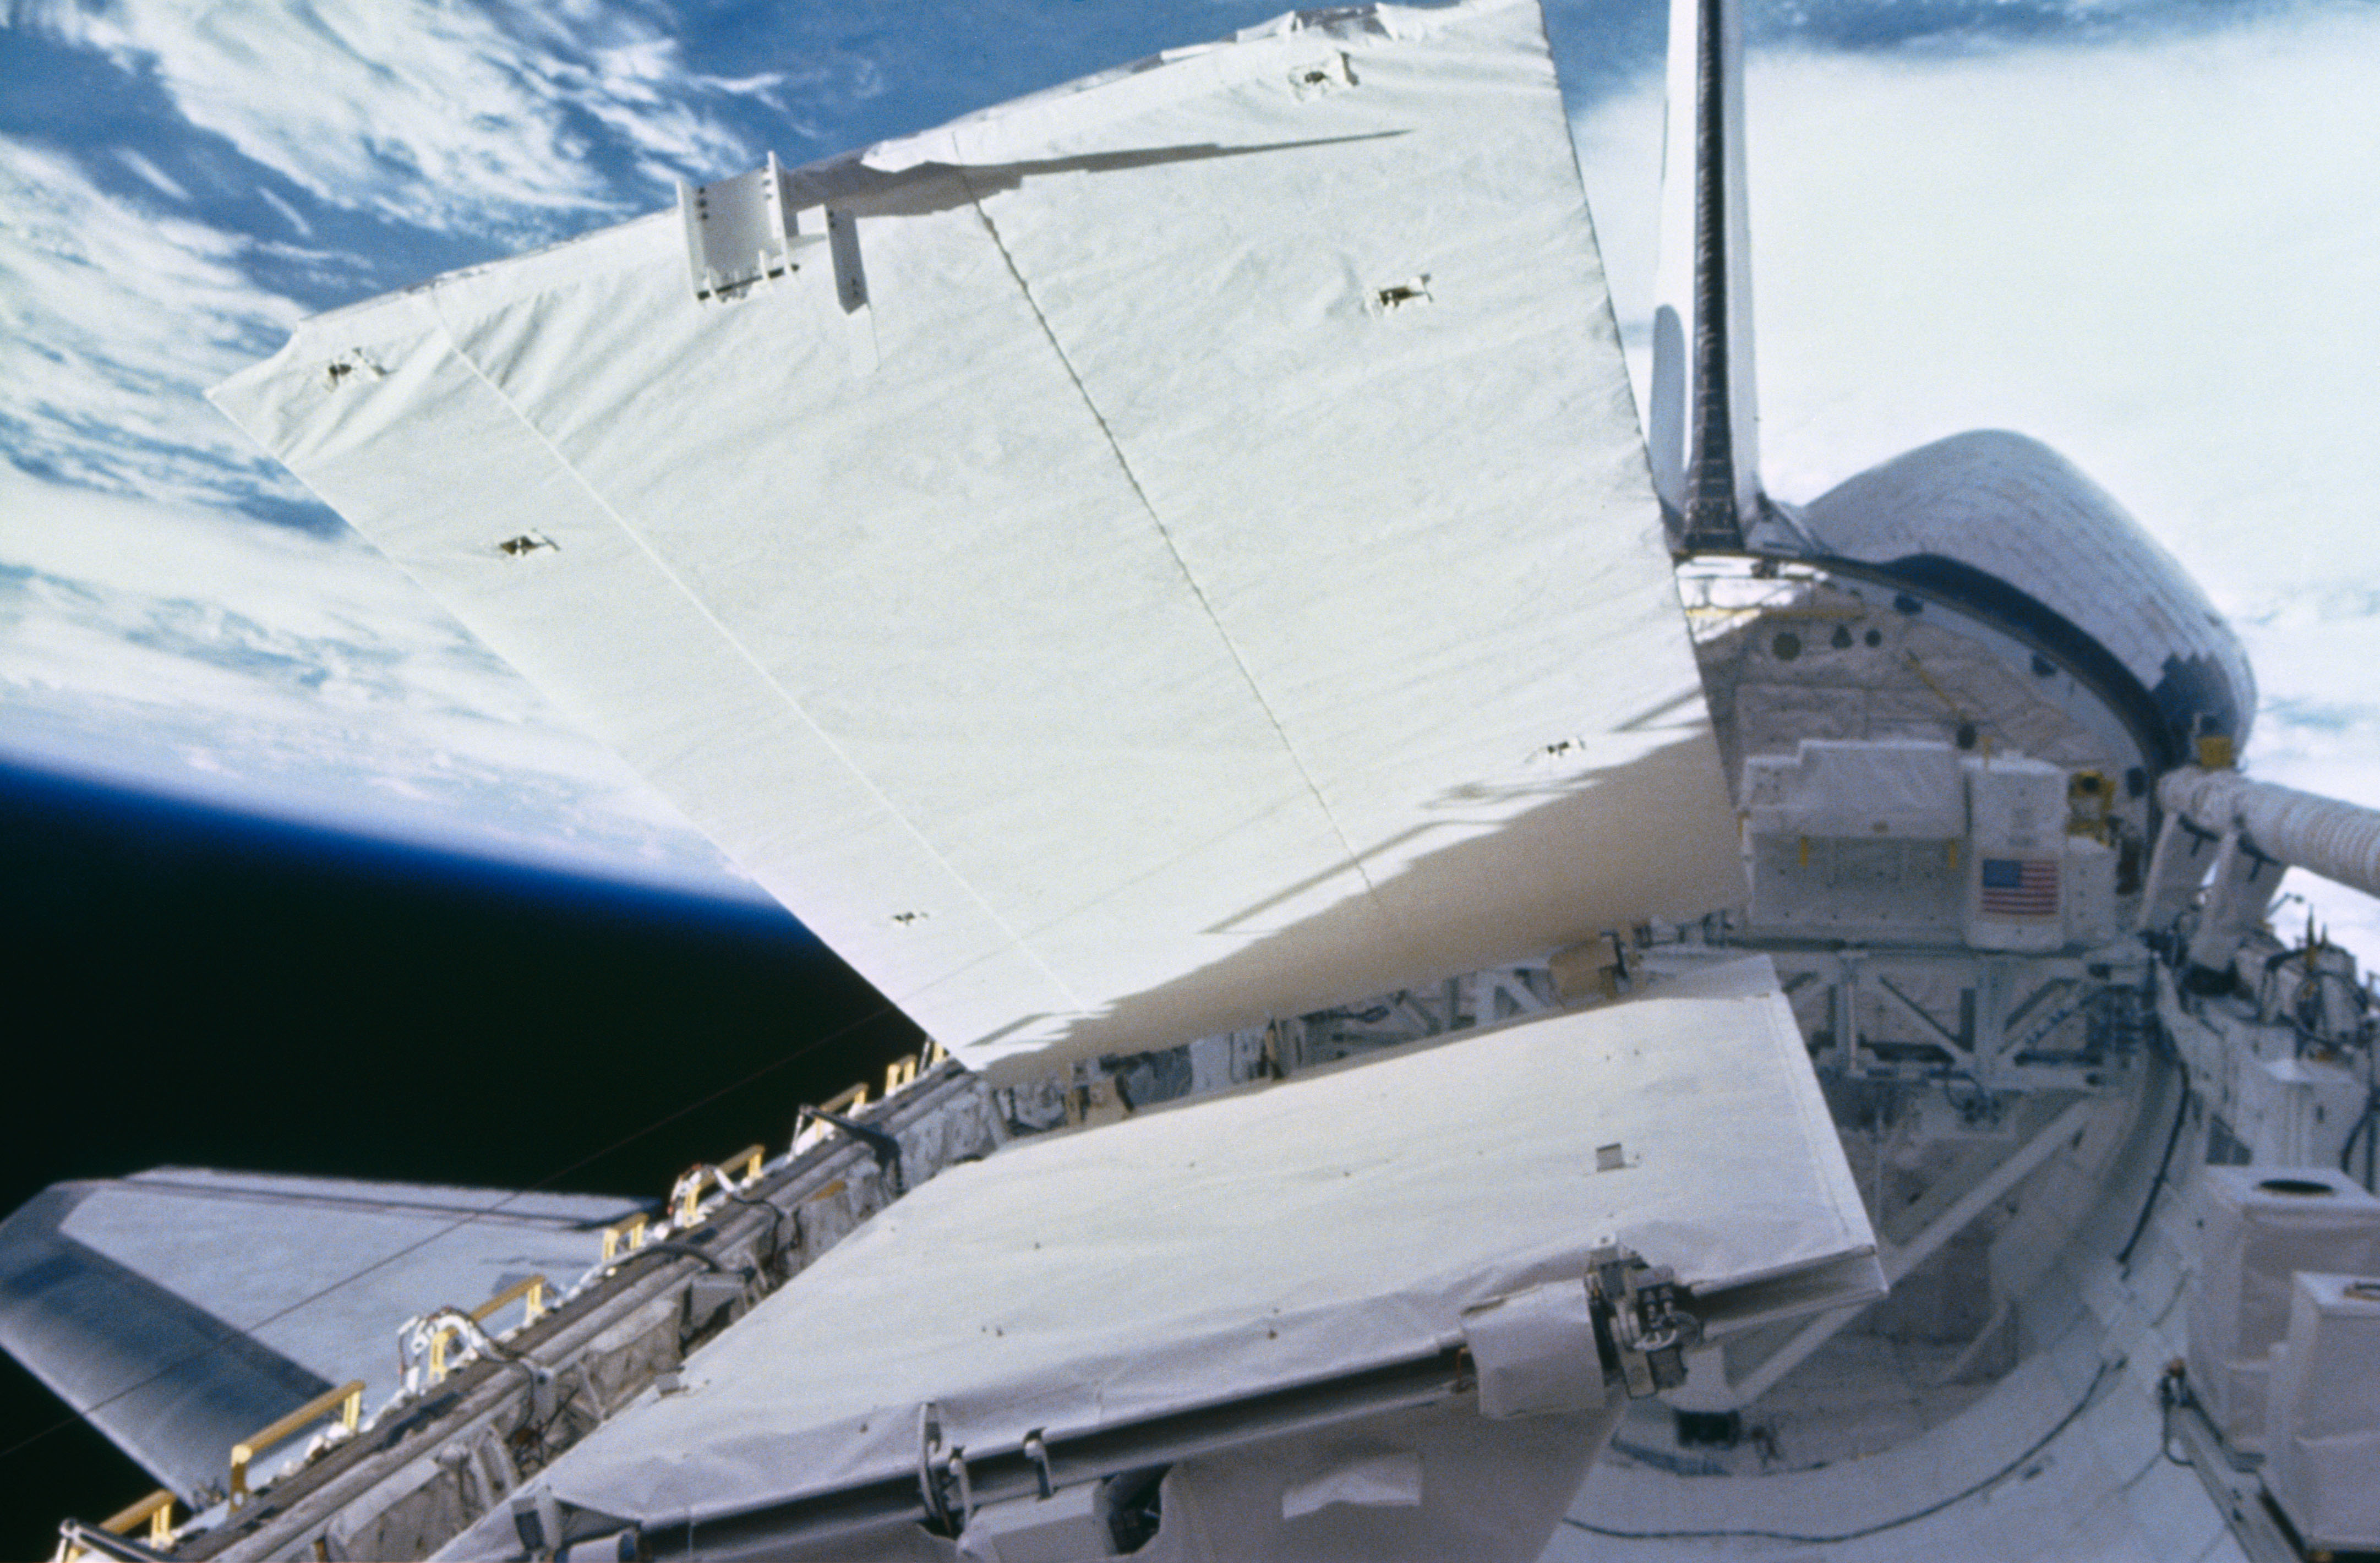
x=1164, y=578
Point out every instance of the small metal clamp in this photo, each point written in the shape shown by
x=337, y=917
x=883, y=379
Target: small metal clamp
x=1641, y=1325
x=886, y=1149
x=1038, y=1452
x=943, y=1472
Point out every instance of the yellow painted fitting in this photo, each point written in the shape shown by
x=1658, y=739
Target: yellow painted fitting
x=2090, y=804
x=900, y=1072
x=1805, y=852
x=631, y=1227
x=845, y=1100
x=1951, y=855
x=689, y=1188
x=531, y=1293
x=2215, y=751
x=157, y=1509
x=347, y=1398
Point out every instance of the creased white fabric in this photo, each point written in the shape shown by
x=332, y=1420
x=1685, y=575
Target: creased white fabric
x=1215, y=575
x=1292, y=1233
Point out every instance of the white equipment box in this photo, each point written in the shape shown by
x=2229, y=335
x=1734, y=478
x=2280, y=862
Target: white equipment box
x=2259, y=1226
x=2321, y=1438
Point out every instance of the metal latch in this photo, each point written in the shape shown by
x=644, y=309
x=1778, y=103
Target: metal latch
x=1641, y=1325
x=942, y=1474
x=1572, y=1346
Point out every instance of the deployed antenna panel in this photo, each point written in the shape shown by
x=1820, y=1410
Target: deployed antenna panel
x=1029, y=638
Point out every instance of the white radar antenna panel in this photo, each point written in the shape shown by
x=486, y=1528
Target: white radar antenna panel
x=1180, y=552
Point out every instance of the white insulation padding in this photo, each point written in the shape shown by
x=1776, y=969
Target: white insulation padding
x=1280, y=1236
x=1182, y=555
x=2321, y=1442
x=2259, y=1226
x=2338, y=841
x=1898, y=790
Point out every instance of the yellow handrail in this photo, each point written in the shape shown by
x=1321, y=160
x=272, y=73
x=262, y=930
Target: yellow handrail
x=689, y=1188
x=347, y=1398
x=532, y=1289
x=157, y=1509
x=630, y=1227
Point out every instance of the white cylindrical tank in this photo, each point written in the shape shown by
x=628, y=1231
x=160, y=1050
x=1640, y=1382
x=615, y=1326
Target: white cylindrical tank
x=2258, y=1226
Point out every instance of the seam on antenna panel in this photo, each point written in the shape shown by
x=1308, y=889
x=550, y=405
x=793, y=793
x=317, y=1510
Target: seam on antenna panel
x=595, y=496
x=1123, y=465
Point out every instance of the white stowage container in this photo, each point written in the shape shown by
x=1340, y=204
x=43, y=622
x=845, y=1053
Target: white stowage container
x=2089, y=887
x=1902, y=790
x=2322, y=1426
x=1855, y=839
x=2259, y=1226
x=2016, y=869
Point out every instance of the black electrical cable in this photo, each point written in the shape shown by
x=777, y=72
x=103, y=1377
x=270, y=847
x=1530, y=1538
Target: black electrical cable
x=2002, y=1474
x=2347, y=1151
x=681, y=1250
x=778, y=1215
x=2165, y=1164
x=884, y=1146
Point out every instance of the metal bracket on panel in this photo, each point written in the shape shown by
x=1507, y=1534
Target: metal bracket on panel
x=1641, y=1325
x=843, y=246
x=1320, y=76
x=536, y=1520
x=943, y=1481
x=1575, y=1346
x=884, y=1146
x=1036, y=1450
x=740, y=231
x=547, y=1527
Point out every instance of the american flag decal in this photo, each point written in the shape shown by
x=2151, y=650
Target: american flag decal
x=2020, y=887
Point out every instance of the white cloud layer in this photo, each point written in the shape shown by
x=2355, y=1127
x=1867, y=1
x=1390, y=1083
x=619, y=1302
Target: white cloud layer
x=270, y=670
x=152, y=638
x=113, y=319
x=468, y=116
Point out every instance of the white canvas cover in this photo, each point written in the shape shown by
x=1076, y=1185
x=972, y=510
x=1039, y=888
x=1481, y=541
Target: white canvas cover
x=324, y=1269
x=2258, y=1226
x=180, y=1309
x=1897, y=790
x=1322, y=1226
x=1177, y=551
x=2323, y=1427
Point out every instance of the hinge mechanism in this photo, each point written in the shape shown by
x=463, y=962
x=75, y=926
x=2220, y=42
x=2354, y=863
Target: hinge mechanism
x=1641, y=1326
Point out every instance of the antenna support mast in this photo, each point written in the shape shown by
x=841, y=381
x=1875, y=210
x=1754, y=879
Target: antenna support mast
x=1705, y=422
